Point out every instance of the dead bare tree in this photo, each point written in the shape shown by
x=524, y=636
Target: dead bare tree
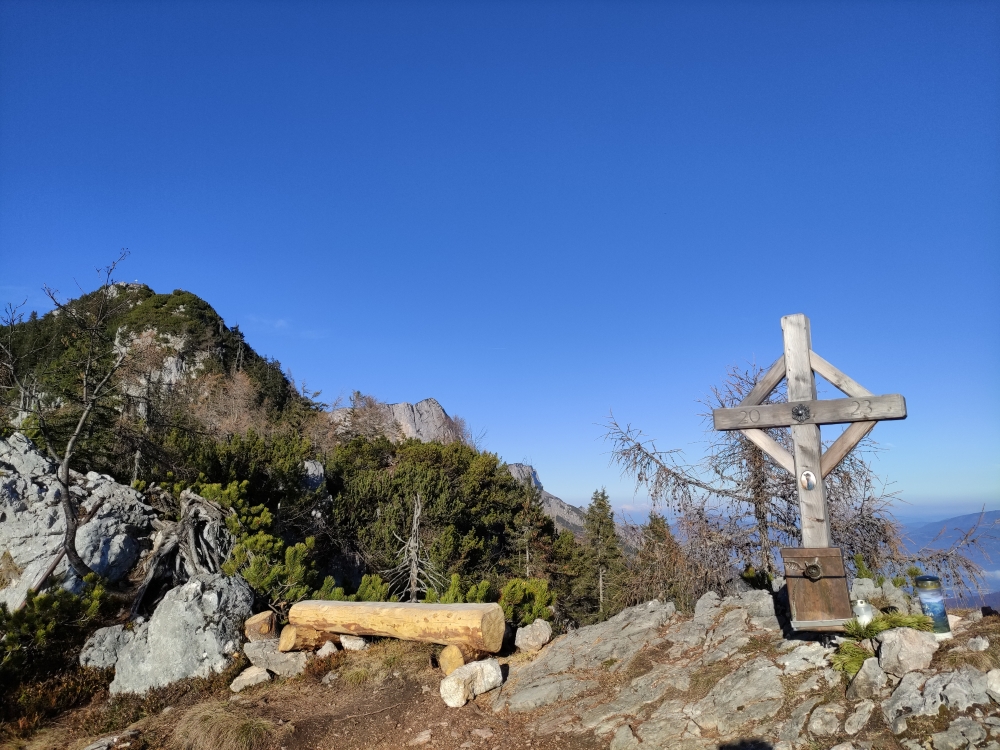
x=736, y=506
x=198, y=542
x=415, y=572
x=96, y=354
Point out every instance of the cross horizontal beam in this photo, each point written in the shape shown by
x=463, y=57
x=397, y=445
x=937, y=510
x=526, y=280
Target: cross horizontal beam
x=827, y=411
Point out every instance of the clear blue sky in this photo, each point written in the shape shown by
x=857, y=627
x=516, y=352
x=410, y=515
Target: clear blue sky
x=539, y=212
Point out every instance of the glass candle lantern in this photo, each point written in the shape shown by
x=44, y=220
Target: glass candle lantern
x=931, y=597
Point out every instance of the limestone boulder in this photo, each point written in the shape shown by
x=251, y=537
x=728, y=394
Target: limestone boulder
x=468, y=681
x=533, y=636
x=194, y=632
x=32, y=525
x=903, y=650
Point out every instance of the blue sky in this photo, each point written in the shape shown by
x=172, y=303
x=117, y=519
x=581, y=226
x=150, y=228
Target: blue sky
x=539, y=212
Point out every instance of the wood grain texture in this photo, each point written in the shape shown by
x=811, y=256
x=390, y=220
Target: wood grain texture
x=847, y=385
x=814, y=519
x=261, y=627
x=826, y=411
x=304, y=638
x=478, y=627
x=771, y=447
x=844, y=445
x=767, y=383
x=798, y=368
x=823, y=600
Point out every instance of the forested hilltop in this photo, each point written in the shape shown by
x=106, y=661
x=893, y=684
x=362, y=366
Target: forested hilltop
x=317, y=506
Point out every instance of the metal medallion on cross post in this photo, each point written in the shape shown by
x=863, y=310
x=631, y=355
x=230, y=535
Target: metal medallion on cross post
x=817, y=583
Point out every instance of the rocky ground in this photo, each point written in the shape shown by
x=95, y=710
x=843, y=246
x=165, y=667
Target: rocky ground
x=725, y=678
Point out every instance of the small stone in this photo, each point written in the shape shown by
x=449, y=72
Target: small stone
x=825, y=720
x=329, y=678
x=867, y=683
x=483, y=733
x=857, y=720
x=979, y=644
x=534, y=636
x=353, y=643
x=899, y=725
x=465, y=683
x=953, y=621
x=265, y=654
x=328, y=649
x=420, y=739
x=993, y=684
x=249, y=677
x=844, y=746
x=904, y=650
x=974, y=616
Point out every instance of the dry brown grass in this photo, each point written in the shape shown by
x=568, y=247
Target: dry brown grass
x=706, y=678
x=954, y=653
x=220, y=727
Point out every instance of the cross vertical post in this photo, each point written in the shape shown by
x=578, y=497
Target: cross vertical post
x=805, y=437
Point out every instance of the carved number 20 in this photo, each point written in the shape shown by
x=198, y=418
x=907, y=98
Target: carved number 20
x=862, y=408
x=751, y=416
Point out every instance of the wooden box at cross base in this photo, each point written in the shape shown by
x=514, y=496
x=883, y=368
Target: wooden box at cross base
x=817, y=588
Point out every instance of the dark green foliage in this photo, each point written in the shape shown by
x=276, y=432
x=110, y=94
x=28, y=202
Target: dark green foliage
x=473, y=509
x=849, y=658
x=44, y=636
x=887, y=621
x=524, y=601
x=280, y=573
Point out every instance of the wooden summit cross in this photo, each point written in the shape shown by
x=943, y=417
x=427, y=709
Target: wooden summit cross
x=817, y=583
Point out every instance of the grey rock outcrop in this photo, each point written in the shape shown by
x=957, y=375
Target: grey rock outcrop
x=265, y=654
x=962, y=733
x=864, y=588
x=751, y=693
x=101, y=648
x=425, y=420
x=903, y=650
x=868, y=682
x=470, y=680
x=533, y=636
x=194, y=632
x=32, y=525
x=920, y=695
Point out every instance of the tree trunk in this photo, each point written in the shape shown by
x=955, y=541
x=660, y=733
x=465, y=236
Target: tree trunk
x=304, y=638
x=69, y=512
x=478, y=627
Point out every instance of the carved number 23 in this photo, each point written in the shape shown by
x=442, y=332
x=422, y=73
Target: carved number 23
x=862, y=408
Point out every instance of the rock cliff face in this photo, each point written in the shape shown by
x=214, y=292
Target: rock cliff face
x=566, y=517
x=425, y=420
